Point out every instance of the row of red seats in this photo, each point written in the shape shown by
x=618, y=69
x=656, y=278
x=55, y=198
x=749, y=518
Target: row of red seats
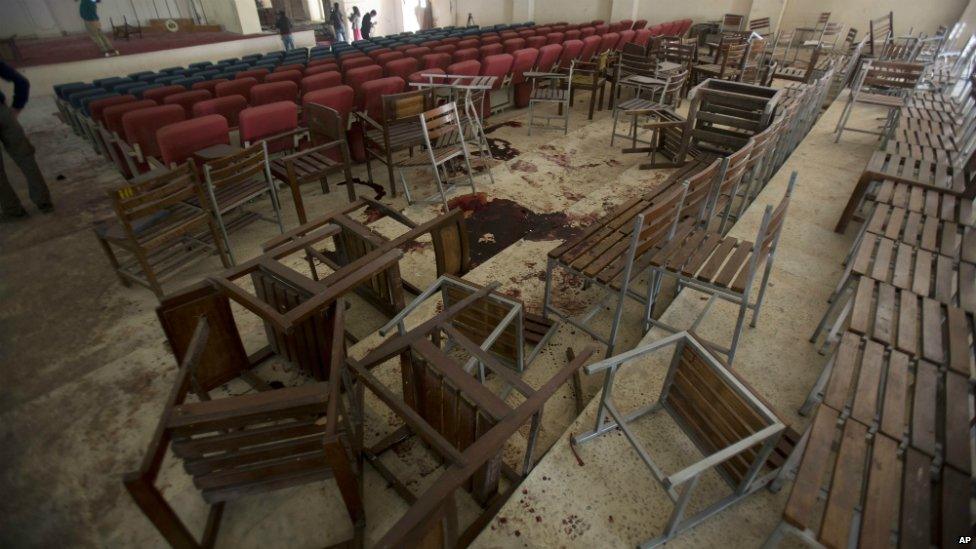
x=257, y=101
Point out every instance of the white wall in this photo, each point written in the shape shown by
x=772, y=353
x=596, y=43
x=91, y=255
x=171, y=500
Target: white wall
x=915, y=15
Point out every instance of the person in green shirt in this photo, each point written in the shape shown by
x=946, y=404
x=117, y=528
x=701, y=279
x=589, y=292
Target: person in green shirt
x=88, y=10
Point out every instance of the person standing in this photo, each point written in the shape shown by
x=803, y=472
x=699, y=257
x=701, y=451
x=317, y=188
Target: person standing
x=354, y=19
x=284, y=29
x=338, y=23
x=88, y=9
x=15, y=142
x=368, y=24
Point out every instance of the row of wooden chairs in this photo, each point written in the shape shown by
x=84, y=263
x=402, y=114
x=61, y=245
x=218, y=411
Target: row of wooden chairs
x=898, y=384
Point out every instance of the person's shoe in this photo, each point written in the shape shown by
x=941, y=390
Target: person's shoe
x=46, y=208
x=13, y=216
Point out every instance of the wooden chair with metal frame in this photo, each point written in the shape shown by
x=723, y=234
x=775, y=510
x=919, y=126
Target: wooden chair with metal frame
x=782, y=44
x=814, y=33
x=760, y=27
x=742, y=439
x=724, y=267
x=612, y=252
x=591, y=76
x=235, y=180
x=729, y=64
x=651, y=95
x=884, y=84
x=799, y=71
x=628, y=72
x=397, y=131
x=328, y=153
x=155, y=223
x=444, y=147
x=880, y=33
x=554, y=88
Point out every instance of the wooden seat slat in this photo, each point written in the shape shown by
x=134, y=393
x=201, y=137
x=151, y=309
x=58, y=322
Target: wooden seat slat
x=923, y=408
x=957, y=422
x=914, y=523
x=813, y=465
x=845, y=489
x=881, y=501
x=868, y=386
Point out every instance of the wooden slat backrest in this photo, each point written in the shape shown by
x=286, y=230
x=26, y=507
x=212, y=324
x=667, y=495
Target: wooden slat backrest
x=734, y=169
x=238, y=168
x=717, y=415
x=442, y=125
x=683, y=54
x=661, y=218
x=407, y=105
x=732, y=21
x=879, y=32
x=452, y=251
x=776, y=222
x=478, y=320
x=758, y=25
x=224, y=357
x=701, y=186
x=893, y=74
x=324, y=124
x=145, y=198
x=308, y=345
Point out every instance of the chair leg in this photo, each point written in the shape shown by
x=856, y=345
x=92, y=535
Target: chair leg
x=225, y=259
x=739, y=325
x=762, y=291
x=113, y=260
x=150, y=275
x=592, y=103
x=547, y=296
x=467, y=163
x=565, y=113
x=613, y=132
x=389, y=172
x=223, y=232
x=653, y=283
x=406, y=189
x=531, y=116
x=440, y=186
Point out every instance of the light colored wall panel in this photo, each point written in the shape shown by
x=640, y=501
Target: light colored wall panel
x=919, y=16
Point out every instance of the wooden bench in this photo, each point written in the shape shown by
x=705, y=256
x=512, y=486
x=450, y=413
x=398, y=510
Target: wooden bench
x=872, y=487
x=736, y=432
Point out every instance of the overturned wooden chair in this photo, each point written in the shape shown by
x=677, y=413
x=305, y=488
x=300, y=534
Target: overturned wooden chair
x=740, y=437
x=246, y=445
x=458, y=418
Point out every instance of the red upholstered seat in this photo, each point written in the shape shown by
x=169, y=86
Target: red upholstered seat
x=450, y=40
x=508, y=35
x=290, y=67
x=158, y=94
x=449, y=49
x=272, y=92
x=657, y=30
x=292, y=76
x=378, y=52
x=187, y=100
x=417, y=53
x=257, y=123
x=97, y=107
x=385, y=58
x=465, y=68
x=490, y=49
x=419, y=75
x=141, y=126
x=549, y=56
x=601, y=28
x=572, y=49
x=535, y=42
x=404, y=47
x=229, y=107
x=401, y=67
x=320, y=62
x=497, y=65
x=626, y=24
x=609, y=41
x=626, y=37
x=112, y=116
x=555, y=37
x=355, y=62
x=240, y=87
x=179, y=141
x=513, y=44
x=487, y=39
x=339, y=99
x=683, y=27
x=356, y=77
x=587, y=31
x=372, y=102
x=523, y=60
x=430, y=43
x=466, y=54
x=209, y=85
x=642, y=37
x=319, y=69
x=526, y=33
x=591, y=45
x=640, y=24
x=435, y=60
x=257, y=74
x=572, y=34
x=321, y=81
x=469, y=43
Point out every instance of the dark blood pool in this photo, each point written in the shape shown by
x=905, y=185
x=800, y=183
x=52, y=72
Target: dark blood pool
x=507, y=222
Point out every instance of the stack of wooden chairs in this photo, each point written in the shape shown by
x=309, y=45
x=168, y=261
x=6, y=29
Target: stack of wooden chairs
x=889, y=447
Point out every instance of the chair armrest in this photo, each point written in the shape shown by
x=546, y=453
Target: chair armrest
x=365, y=119
x=534, y=74
x=295, y=132
x=317, y=148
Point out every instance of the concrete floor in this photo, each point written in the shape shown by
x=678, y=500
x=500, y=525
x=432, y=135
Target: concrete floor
x=86, y=366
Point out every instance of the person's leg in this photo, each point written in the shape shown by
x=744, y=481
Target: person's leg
x=357, y=34
x=9, y=201
x=22, y=152
x=94, y=29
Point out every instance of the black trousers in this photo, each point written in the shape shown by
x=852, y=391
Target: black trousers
x=19, y=148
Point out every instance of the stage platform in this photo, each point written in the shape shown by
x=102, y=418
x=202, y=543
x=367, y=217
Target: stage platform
x=173, y=52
